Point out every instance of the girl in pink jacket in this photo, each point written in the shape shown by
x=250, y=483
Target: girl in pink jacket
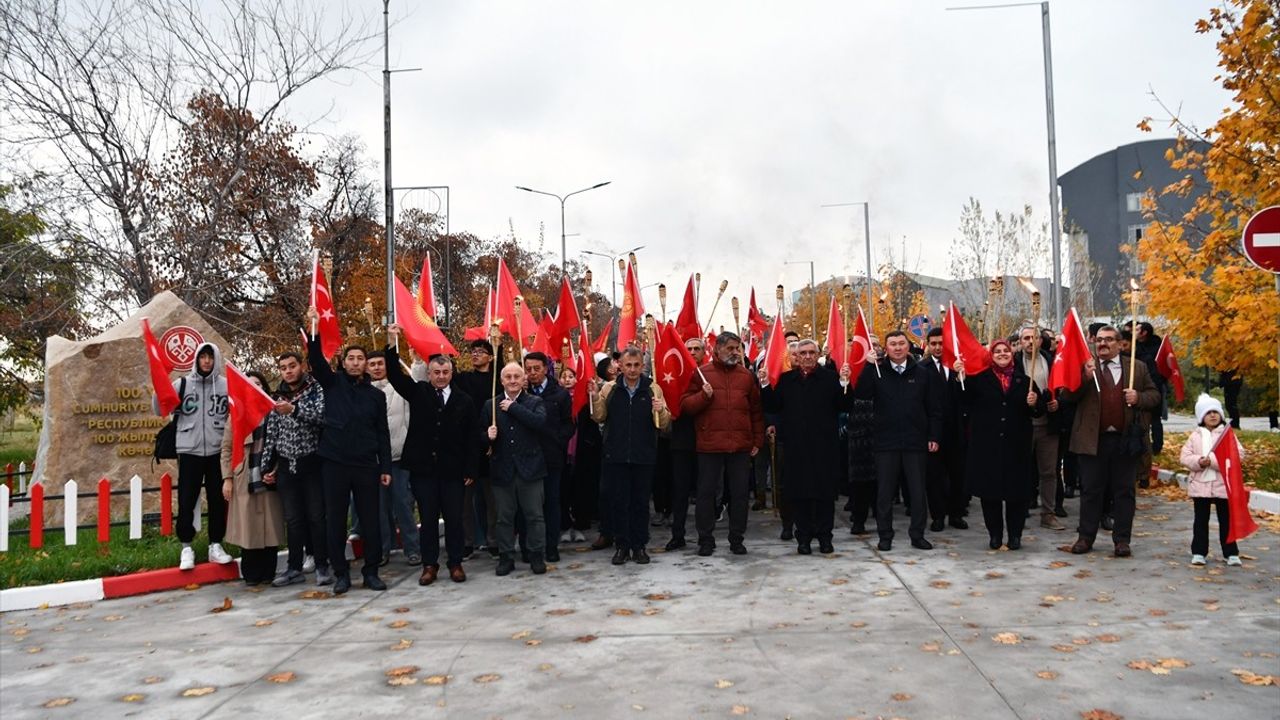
x=1205, y=485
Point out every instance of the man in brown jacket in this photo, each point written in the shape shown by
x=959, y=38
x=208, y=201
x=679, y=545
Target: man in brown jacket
x=724, y=400
x=1103, y=438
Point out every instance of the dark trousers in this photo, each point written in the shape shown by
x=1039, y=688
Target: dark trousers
x=734, y=469
x=523, y=497
x=662, y=481
x=341, y=484
x=862, y=498
x=437, y=497
x=196, y=472
x=1109, y=474
x=629, y=487
x=1200, y=527
x=684, y=478
x=551, y=506
x=998, y=515
x=258, y=564
x=302, y=496
x=784, y=505
x=910, y=466
x=814, y=519
x=603, y=505
x=944, y=487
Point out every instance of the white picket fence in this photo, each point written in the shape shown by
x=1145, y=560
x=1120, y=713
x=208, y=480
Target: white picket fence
x=70, y=510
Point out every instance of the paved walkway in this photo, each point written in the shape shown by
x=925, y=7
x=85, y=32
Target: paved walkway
x=957, y=632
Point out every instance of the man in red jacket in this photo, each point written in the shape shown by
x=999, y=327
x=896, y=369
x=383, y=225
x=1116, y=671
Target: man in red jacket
x=724, y=400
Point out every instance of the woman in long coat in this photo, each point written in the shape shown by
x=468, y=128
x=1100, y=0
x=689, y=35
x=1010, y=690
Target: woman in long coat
x=255, y=519
x=1000, y=404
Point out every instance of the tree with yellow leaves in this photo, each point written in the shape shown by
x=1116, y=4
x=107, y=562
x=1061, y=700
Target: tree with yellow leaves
x=1196, y=271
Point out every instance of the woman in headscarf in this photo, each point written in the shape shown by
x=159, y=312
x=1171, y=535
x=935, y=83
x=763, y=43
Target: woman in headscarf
x=1000, y=404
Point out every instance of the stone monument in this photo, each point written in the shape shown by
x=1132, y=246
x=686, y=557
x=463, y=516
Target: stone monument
x=98, y=420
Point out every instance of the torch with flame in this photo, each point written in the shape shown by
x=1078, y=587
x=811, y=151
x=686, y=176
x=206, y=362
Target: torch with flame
x=1035, y=322
x=1135, y=295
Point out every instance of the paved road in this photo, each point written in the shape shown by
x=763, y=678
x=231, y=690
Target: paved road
x=957, y=632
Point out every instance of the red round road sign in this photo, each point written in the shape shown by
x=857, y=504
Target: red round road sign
x=1261, y=239
x=179, y=345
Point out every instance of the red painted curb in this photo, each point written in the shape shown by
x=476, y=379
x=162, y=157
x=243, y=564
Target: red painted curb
x=168, y=579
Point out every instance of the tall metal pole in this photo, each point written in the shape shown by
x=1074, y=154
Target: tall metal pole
x=564, y=257
x=1055, y=221
x=813, y=299
x=448, y=259
x=866, y=231
x=386, y=145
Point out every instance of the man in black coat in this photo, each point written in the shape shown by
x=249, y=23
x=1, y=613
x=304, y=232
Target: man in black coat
x=808, y=401
x=442, y=451
x=908, y=405
x=945, y=475
x=518, y=467
x=555, y=443
x=480, y=384
x=355, y=447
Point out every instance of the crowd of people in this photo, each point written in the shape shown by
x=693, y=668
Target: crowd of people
x=498, y=453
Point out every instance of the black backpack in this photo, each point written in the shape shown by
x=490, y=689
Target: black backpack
x=167, y=436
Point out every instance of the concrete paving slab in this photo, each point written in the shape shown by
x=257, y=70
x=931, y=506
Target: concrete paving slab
x=960, y=631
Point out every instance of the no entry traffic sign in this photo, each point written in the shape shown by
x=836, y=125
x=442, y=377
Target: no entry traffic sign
x=1261, y=239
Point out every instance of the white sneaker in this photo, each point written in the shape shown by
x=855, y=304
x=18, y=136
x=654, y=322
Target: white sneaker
x=1234, y=560
x=188, y=559
x=218, y=555
x=309, y=564
x=566, y=536
x=1197, y=559
x=579, y=536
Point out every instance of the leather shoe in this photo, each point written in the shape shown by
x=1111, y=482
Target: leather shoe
x=1122, y=550
x=1015, y=543
x=373, y=582
x=921, y=544
x=804, y=549
x=675, y=544
x=537, y=565
x=505, y=565
x=553, y=555
x=937, y=526
x=787, y=534
x=859, y=529
x=994, y=543
x=959, y=523
x=1060, y=511
x=737, y=548
x=825, y=547
x=341, y=584
x=429, y=573
x=601, y=542
x=705, y=549
x=884, y=545
x=620, y=556
x=640, y=556
x=1069, y=491
x=1081, y=547
x=456, y=573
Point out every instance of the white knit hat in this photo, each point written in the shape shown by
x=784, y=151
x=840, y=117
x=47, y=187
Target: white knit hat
x=1206, y=404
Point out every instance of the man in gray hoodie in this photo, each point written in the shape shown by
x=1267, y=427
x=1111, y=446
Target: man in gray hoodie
x=202, y=418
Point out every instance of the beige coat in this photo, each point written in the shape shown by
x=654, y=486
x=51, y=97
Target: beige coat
x=253, y=521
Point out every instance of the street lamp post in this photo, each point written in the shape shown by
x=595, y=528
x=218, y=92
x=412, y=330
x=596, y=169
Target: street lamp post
x=564, y=258
x=613, y=271
x=866, y=231
x=1055, y=222
x=813, y=290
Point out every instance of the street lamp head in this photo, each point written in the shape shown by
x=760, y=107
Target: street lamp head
x=600, y=185
x=521, y=187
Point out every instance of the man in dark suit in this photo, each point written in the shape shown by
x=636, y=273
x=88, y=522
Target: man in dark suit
x=1105, y=439
x=555, y=443
x=907, y=398
x=1034, y=363
x=442, y=452
x=518, y=467
x=944, y=477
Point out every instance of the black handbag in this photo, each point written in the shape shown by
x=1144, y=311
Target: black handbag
x=167, y=437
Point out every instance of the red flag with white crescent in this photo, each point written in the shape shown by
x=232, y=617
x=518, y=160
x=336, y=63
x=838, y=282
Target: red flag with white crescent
x=958, y=342
x=675, y=366
x=1240, y=521
x=1167, y=365
x=1073, y=353
x=249, y=404
x=322, y=299
x=860, y=351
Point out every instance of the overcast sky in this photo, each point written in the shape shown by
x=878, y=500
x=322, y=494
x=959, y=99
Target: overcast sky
x=723, y=126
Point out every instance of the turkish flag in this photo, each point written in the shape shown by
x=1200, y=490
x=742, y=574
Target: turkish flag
x=482, y=332
x=542, y=338
x=959, y=343
x=687, y=323
x=322, y=301
x=426, y=290
x=1073, y=353
x=505, y=307
x=600, y=343
x=860, y=352
x=756, y=323
x=248, y=406
x=166, y=397
x=585, y=369
x=1227, y=453
x=776, y=359
x=632, y=308
x=421, y=332
x=567, y=317
x=837, y=346
x=675, y=366
x=1167, y=365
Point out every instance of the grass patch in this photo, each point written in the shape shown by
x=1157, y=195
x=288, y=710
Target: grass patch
x=55, y=562
x=18, y=444
x=1261, y=460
